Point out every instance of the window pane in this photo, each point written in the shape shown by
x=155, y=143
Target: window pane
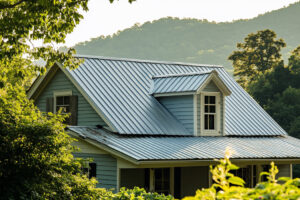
x=60, y=100
x=211, y=122
x=206, y=121
x=67, y=109
x=206, y=99
x=206, y=109
x=212, y=100
x=212, y=109
x=92, y=172
x=66, y=100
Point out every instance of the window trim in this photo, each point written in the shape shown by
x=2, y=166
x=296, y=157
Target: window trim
x=217, y=131
x=60, y=93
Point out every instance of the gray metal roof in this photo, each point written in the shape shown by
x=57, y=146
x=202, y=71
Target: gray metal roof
x=192, y=148
x=178, y=83
x=120, y=89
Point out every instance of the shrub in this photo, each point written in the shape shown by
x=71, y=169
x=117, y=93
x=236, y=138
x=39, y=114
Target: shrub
x=228, y=186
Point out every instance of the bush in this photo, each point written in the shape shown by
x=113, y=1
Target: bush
x=135, y=194
x=228, y=186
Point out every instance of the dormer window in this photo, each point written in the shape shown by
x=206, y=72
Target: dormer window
x=197, y=100
x=209, y=112
x=210, y=119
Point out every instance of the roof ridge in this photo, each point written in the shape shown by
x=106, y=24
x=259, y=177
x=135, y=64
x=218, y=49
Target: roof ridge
x=148, y=61
x=182, y=74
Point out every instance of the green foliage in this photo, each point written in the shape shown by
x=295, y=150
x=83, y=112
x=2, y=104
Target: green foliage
x=228, y=186
x=134, y=194
x=36, y=159
x=26, y=21
x=192, y=40
x=259, y=53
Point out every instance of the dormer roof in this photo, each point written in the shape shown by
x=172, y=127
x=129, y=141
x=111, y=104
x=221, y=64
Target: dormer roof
x=184, y=84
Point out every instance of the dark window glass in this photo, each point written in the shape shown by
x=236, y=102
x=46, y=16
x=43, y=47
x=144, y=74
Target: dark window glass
x=60, y=100
x=206, y=99
x=212, y=109
x=162, y=180
x=212, y=99
x=245, y=174
x=63, y=104
x=206, y=121
x=211, y=122
x=206, y=109
x=90, y=170
x=210, y=112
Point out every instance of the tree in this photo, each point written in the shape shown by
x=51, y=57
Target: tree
x=36, y=160
x=259, y=53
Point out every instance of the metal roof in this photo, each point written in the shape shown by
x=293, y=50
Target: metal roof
x=143, y=148
x=119, y=88
x=178, y=83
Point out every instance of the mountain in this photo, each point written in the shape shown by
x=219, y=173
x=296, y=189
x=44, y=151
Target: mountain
x=193, y=40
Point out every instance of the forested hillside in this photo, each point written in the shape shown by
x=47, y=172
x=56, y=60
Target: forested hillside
x=192, y=40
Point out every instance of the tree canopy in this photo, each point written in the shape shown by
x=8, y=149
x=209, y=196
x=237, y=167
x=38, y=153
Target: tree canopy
x=36, y=160
x=259, y=53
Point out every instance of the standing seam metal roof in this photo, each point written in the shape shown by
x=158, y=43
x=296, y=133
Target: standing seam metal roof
x=194, y=148
x=179, y=83
x=120, y=89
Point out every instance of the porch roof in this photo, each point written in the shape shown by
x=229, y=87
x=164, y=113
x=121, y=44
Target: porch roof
x=147, y=148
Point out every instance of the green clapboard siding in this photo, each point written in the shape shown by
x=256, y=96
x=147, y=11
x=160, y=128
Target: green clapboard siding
x=182, y=108
x=87, y=116
x=106, y=170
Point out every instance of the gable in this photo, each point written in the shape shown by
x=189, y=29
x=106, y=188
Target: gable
x=86, y=114
x=211, y=87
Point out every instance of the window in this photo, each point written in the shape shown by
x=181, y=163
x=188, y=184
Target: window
x=162, y=180
x=90, y=170
x=248, y=174
x=66, y=102
x=209, y=112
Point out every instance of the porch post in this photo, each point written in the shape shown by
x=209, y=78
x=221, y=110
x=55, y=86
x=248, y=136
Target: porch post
x=209, y=177
x=151, y=179
x=172, y=181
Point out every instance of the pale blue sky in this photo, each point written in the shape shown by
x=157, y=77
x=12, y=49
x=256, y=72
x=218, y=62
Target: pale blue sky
x=104, y=18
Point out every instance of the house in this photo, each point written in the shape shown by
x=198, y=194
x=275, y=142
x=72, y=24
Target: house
x=159, y=125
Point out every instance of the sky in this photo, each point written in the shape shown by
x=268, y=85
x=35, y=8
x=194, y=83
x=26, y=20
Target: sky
x=104, y=18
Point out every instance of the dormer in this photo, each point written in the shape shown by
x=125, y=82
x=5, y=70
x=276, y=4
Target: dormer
x=197, y=100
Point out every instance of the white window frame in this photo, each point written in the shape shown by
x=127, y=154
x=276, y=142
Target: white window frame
x=217, y=131
x=60, y=93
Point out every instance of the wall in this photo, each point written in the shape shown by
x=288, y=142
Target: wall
x=284, y=171
x=106, y=170
x=86, y=114
x=182, y=108
x=193, y=178
x=132, y=177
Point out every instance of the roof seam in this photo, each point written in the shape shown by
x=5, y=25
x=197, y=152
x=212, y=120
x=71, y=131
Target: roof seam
x=180, y=75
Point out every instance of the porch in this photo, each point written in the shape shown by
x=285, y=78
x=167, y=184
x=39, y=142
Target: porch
x=184, y=181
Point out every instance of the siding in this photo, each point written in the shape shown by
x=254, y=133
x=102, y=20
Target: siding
x=211, y=87
x=182, y=108
x=106, y=170
x=86, y=114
